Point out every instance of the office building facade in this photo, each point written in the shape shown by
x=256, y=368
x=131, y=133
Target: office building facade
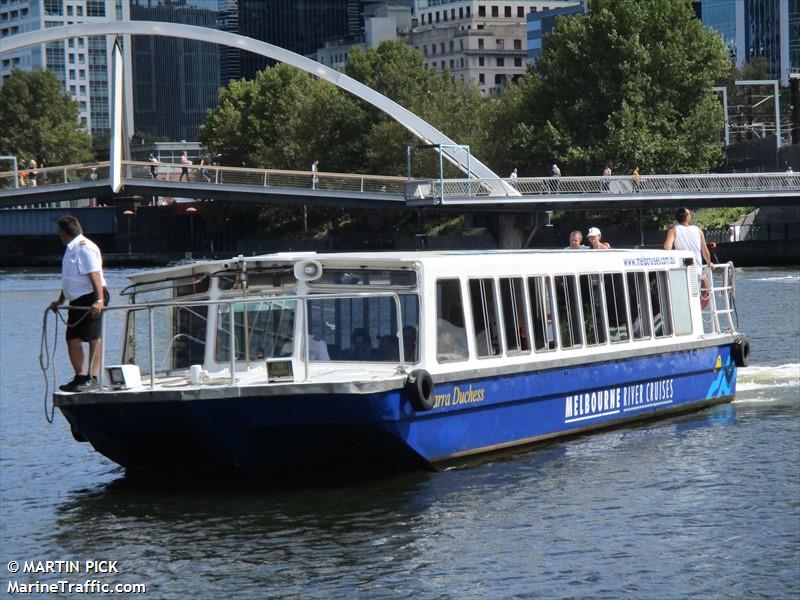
x=479, y=41
x=544, y=22
x=301, y=27
x=769, y=29
x=175, y=81
x=81, y=64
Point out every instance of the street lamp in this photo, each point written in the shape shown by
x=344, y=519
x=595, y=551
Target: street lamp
x=129, y=214
x=191, y=212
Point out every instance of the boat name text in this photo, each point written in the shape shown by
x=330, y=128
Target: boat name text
x=601, y=403
x=459, y=395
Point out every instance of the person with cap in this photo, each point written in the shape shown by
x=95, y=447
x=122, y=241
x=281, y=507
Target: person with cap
x=555, y=171
x=594, y=235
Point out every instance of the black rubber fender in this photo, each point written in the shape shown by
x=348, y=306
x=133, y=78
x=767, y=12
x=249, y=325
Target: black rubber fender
x=419, y=387
x=741, y=352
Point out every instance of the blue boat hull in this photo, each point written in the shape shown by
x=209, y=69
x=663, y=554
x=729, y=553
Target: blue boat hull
x=470, y=416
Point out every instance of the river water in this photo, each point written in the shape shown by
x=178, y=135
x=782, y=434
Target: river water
x=700, y=506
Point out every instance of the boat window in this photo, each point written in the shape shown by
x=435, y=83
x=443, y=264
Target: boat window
x=618, y=330
x=484, y=317
x=372, y=277
x=515, y=326
x=362, y=329
x=262, y=329
x=257, y=277
x=451, y=334
x=188, y=341
x=594, y=324
x=544, y=334
x=637, y=303
x=681, y=309
x=568, y=311
x=187, y=286
x=659, y=300
x=180, y=337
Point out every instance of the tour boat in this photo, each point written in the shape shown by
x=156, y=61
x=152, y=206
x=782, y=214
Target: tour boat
x=288, y=361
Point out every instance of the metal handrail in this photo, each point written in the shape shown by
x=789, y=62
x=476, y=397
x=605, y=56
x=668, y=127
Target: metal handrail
x=605, y=185
x=301, y=298
x=725, y=291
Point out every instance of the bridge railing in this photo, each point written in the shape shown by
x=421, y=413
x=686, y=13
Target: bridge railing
x=35, y=177
x=213, y=174
x=659, y=184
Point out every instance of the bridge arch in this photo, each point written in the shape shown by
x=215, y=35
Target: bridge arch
x=417, y=126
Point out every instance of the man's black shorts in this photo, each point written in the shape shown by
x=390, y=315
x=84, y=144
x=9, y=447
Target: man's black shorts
x=87, y=325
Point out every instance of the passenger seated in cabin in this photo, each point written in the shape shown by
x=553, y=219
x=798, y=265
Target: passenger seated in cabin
x=410, y=343
x=451, y=341
x=487, y=345
x=388, y=347
x=361, y=346
x=317, y=349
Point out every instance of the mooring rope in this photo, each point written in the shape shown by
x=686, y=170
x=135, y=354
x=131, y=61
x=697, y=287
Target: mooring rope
x=47, y=357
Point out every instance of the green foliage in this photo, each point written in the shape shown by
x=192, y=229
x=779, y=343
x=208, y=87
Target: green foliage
x=38, y=120
x=717, y=218
x=285, y=119
x=628, y=84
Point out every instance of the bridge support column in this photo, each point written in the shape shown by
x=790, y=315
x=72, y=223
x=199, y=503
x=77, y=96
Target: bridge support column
x=516, y=230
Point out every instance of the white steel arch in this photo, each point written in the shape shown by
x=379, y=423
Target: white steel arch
x=409, y=120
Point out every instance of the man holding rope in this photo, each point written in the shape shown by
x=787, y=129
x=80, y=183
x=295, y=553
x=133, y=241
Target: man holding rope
x=83, y=284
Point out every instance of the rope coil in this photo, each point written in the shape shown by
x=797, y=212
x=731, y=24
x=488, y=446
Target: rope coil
x=47, y=357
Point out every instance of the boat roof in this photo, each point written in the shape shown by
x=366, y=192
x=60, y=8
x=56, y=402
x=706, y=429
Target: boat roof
x=410, y=259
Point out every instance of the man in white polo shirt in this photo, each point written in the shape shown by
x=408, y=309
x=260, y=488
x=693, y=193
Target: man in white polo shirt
x=83, y=284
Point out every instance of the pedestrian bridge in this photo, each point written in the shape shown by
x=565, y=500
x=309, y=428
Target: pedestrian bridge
x=241, y=184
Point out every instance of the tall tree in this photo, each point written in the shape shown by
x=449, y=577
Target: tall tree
x=284, y=119
x=38, y=120
x=628, y=84
x=398, y=72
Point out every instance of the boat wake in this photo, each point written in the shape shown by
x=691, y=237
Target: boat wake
x=771, y=376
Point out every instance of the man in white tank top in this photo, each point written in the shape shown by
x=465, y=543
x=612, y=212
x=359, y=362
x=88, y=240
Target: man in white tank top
x=685, y=236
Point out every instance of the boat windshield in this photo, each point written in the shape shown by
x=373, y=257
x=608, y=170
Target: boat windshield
x=261, y=329
x=362, y=329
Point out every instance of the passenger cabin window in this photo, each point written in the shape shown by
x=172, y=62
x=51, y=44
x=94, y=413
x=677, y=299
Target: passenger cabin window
x=515, y=325
x=594, y=324
x=371, y=277
x=659, y=301
x=544, y=334
x=568, y=311
x=188, y=335
x=637, y=303
x=451, y=334
x=484, y=317
x=618, y=329
x=261, y=329
x=681, y=309
x=363, y=329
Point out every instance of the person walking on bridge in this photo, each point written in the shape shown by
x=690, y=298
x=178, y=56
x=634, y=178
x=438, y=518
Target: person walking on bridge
x=83, y=284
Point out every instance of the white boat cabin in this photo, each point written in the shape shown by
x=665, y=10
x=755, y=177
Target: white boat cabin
x=345, y=317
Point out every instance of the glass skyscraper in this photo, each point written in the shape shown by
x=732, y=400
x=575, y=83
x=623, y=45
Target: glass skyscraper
x=758, y=28
x=301, y=26
x=174, y=80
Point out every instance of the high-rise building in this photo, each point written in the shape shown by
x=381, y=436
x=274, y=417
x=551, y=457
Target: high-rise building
x=769, y=29
x=301, y=27
x=174, y=80
x=81, y=64
x=543, y=22
x=383, y=20
x=485, y=42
